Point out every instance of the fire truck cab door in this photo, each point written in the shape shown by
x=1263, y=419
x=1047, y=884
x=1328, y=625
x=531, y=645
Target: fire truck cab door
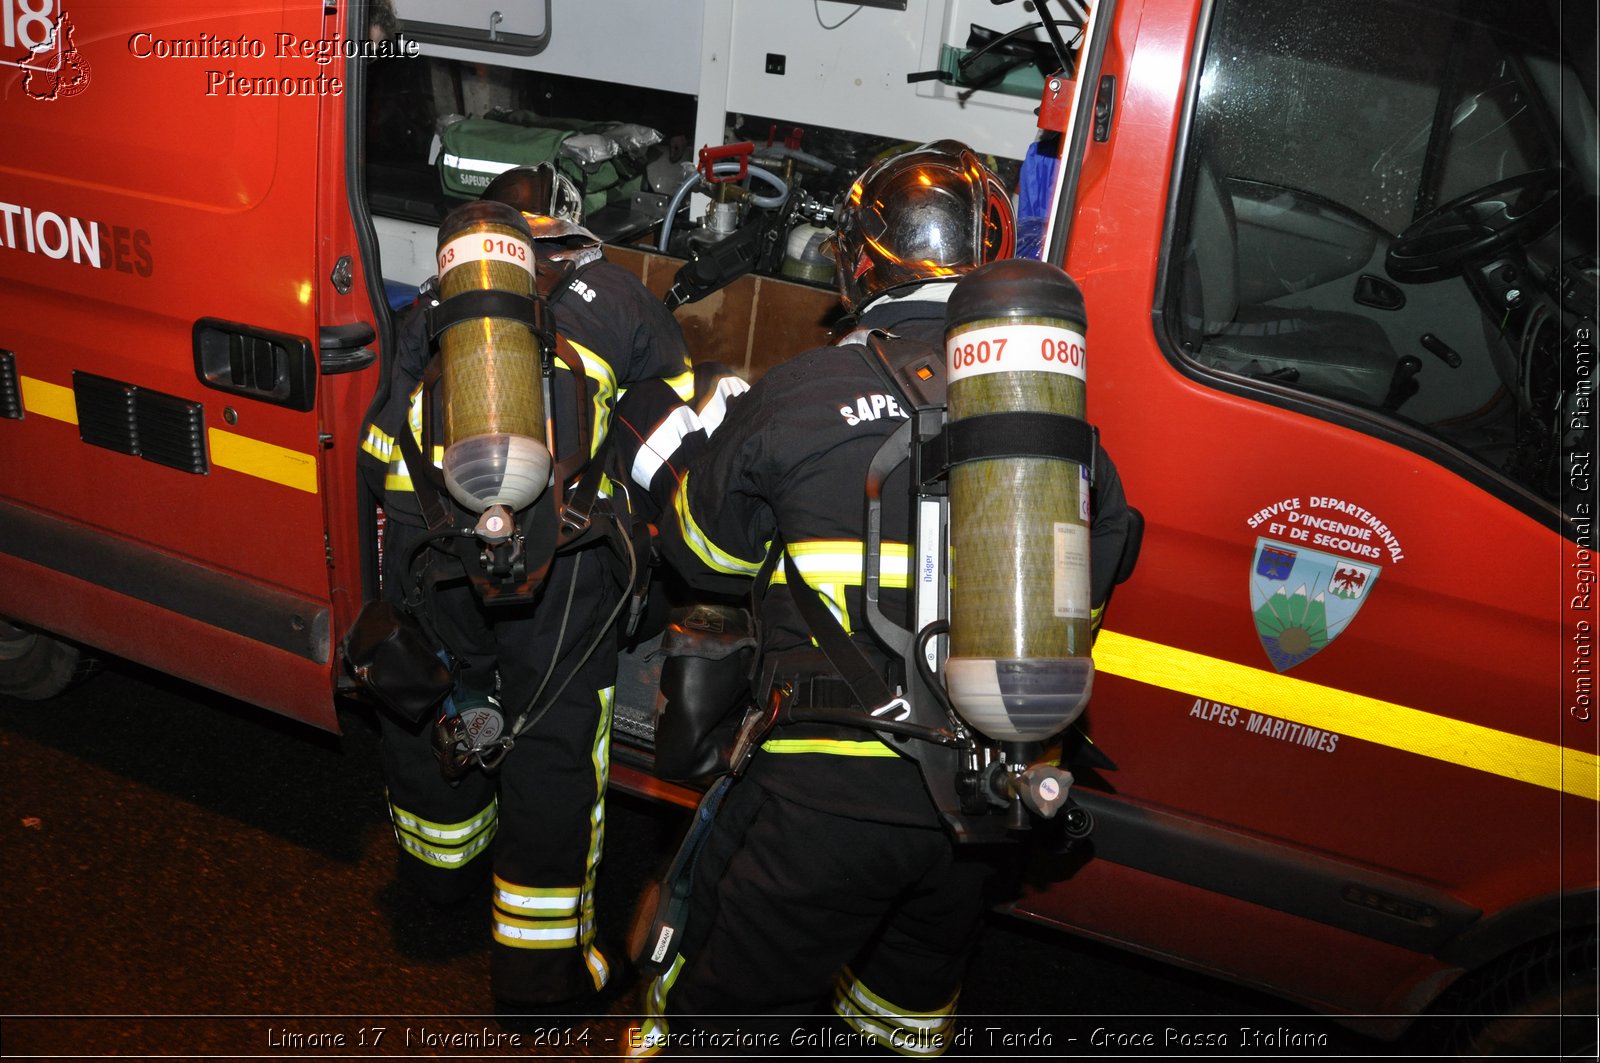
x=164, y=288
x=1347, y=690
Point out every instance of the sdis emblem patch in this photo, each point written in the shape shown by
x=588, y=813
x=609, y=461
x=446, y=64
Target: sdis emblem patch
x=1302, y=599
x=1313, y=570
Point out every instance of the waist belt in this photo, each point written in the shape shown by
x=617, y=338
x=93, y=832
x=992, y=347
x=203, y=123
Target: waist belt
x=820, y=692
x=814, y=698
x=823, y=706
x=814, y=691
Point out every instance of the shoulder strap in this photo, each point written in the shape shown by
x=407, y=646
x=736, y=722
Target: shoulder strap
x=913, y=370
x=426, y=481
x=865, y=681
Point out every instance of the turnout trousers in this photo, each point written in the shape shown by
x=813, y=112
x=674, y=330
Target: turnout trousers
x=536, y=825
x=784, y=897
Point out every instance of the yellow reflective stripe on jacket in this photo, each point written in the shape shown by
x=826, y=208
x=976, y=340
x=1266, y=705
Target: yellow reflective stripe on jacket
x=829, y=566
x=695, y=538
x=682, y=385
x=378, y=443
x=837, y=747
x=1341, y=712
x=605, y=393
x=840, y=561
x=386, y=448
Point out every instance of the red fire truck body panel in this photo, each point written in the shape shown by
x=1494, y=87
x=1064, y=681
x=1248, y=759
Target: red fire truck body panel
x=1344, y=705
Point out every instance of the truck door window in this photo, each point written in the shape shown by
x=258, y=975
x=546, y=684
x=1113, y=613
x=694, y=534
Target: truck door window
x=1391, y=205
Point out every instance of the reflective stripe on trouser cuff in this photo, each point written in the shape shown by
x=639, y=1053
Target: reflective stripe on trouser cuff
x=923, y=1034
x=650, y=1036
x=562, y=918
x=530, y=918
x=447, y=845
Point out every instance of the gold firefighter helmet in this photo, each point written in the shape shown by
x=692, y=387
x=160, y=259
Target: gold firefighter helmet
x=539, y=189
x=934, y=212
x=560, y=240
x=553, y=208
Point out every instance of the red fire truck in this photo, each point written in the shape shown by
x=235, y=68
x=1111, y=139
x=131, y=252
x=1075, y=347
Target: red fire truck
x=1339, y=259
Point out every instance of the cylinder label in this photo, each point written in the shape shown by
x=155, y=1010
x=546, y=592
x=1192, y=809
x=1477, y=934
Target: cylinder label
x=480, y=247
x=1072, y=572
x=1017, y=349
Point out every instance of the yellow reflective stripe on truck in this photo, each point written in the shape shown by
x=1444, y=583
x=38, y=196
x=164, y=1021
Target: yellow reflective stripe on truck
x=1426, y=734
x=49, y=400
x=291, y=468
x=228, y=450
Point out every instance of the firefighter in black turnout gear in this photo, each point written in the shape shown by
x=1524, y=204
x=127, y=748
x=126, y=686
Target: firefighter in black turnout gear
x=536, y=822
x=826, y=878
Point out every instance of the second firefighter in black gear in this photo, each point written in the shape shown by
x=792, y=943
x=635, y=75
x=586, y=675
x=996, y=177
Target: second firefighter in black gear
x=536, y=825
x=827, y=877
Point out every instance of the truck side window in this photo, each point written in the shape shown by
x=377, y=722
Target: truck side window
x=1392, y=206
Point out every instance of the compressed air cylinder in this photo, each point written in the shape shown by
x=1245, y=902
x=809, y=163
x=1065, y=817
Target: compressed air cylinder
x=494, y=419
x=1019, y=667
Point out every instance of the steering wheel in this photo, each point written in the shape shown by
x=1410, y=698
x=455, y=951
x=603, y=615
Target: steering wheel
x=1440, y=242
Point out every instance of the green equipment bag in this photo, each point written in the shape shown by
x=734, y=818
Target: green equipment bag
x=476, y=150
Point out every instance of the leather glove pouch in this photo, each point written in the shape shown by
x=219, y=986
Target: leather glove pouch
x=389, y=652
x=705, y=683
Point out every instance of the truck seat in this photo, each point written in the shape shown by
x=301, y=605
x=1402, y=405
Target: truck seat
x=1328, y=352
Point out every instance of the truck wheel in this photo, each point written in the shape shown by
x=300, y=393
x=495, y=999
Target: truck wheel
x=35, y=666
x=1539, y=1002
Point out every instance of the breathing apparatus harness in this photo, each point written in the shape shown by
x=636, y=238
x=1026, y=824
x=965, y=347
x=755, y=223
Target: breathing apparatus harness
x=984, y=790
x=507, y=556
x=969, y=777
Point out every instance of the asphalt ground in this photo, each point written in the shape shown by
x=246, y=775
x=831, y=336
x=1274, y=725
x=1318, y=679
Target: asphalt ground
x=185, y=876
